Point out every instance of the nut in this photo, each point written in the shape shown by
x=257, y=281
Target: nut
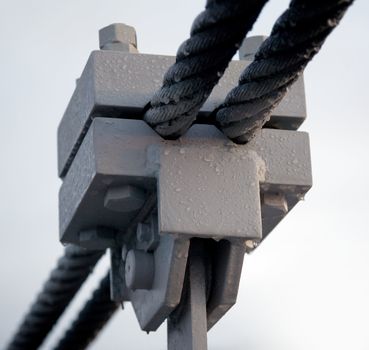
x=118, y=37
x=143, y=232
x=124, y=199
x=97, y=238
x=274, y=205
x=147, y=234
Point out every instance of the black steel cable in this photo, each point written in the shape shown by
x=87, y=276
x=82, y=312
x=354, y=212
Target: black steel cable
x=201, y=60
x=216, y=35
x=92, y=318
x=296, y=37
x=64, y=282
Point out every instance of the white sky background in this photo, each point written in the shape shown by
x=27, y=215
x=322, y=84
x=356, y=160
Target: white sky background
x=306, y=287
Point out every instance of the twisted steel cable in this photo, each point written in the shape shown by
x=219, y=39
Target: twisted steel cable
x=296, y=37
x=216, y=35
x=201, y=60
x=64, y=282
x=92, y=318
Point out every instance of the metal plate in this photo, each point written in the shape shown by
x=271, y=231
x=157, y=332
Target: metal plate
x=119, y=84
x=117, y=152
x=153, y=306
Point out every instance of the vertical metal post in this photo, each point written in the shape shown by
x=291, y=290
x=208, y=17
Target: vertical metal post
x=187, y=326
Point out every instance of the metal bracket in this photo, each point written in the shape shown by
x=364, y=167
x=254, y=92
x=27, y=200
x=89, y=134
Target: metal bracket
x=119, y=84
x=155, y=203
x=206, y=186
x=187, y=325
x=202, y=173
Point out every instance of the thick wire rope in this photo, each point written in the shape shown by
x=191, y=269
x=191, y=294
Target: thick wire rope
x=91, y=319
x=201, y=60
x=99, y=309
x=65, y=280
x=295, y=38
x=215, y=37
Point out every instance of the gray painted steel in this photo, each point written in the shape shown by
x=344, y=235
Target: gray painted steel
x=118, y=37
x=139, y=270
x=118, y=290
x=250, y=46
x=127, y=189
x=187, y=326
x=153, y=306
x=207, y=187
x=120, y=84
x=226, y=275
x=201, y=174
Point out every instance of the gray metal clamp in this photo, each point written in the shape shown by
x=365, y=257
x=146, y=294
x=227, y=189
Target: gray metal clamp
x=178, y=216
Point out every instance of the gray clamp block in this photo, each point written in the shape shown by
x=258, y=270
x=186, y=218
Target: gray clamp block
x=150, y=200
x=207, y=187
x=120, y=84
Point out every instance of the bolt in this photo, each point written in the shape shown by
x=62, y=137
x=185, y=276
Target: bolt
x=124, y=252
x=147, y=234
x=139, y=270
x=250, y=46
x=143, y=232
x=251, y=245
x=118, y=37
x=97, y=238
x=124, y=199
x=274, y=205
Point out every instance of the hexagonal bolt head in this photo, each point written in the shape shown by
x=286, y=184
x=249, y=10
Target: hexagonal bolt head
x=147, y=234
x=97, y=238
x=118, y=37
x=250, y=46
x=143, y=232
x=124, y=199
x=139, y=270
x=274, y=205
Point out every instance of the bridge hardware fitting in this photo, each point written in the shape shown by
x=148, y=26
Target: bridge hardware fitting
x=177, y=216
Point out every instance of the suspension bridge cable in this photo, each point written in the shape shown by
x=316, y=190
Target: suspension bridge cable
x=92, y=318
x=65, y=280
x=295, y=38
x=201, y=61
x=215, y=37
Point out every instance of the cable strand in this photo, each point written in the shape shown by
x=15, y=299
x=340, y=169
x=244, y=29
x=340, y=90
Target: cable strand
x=91, y=319
x=215, y=37
x=65, y=280
x=296, y=37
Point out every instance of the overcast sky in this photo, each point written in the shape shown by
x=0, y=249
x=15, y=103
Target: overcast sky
x=306, y=287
